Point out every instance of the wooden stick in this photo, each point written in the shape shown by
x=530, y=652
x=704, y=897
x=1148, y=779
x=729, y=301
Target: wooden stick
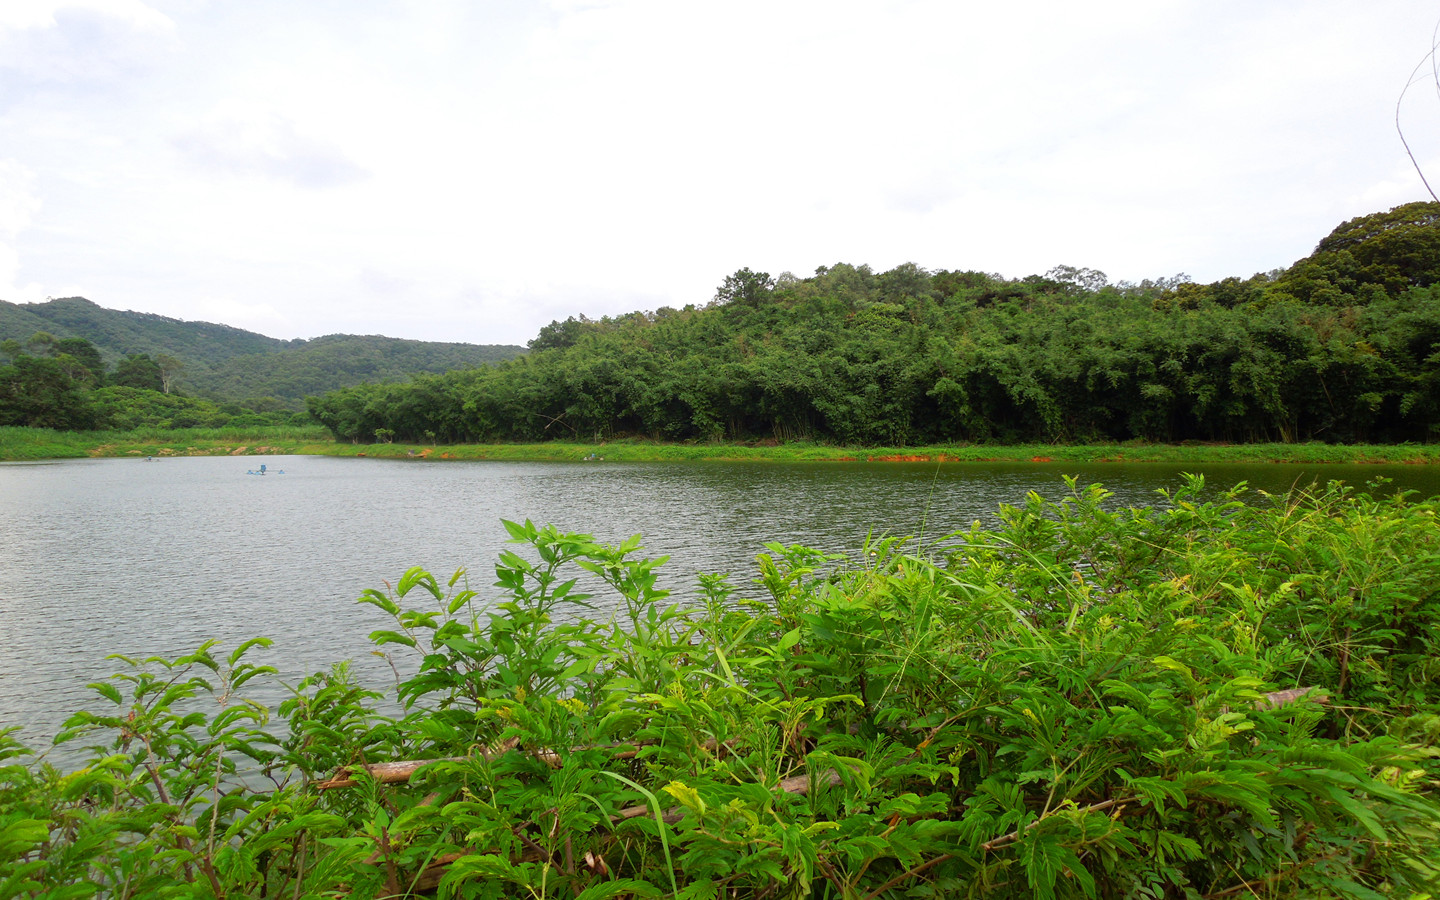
x=1277, y=699
x=399, y=771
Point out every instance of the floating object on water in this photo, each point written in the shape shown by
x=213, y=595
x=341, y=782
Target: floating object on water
x=262, y=471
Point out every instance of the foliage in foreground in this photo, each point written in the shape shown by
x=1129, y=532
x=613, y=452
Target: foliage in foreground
x=1076, y=703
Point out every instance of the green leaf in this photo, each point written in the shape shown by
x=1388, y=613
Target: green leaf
x=459, y=600
x=417, y=575
x=607, y=889
x=373, y=597
x=245, y=647
x=391, y=637
x=519, y=533
x=107, y=690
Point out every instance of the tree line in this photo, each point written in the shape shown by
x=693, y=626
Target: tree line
x=63, y=383
x=1342, y=346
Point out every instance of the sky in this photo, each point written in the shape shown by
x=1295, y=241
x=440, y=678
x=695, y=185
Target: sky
x=470, y=171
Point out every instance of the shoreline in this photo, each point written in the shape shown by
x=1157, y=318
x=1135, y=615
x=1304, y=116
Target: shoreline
x=25, y=444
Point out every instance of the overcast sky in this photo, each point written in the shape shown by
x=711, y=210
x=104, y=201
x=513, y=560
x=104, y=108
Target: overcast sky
x=469, y=171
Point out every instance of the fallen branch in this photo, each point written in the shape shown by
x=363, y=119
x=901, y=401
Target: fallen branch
x=1277, y=699
x=399, y=771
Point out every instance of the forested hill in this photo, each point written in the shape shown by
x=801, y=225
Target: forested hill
x=1343, y=346
x=232, y=364
x=339, y=360
x=120, y=333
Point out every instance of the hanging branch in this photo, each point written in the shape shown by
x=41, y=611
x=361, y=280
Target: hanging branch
x=1435, y=73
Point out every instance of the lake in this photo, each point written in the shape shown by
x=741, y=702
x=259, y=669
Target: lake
x=144, y=558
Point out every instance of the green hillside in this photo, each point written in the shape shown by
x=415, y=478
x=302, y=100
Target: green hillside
x=305, y=368
x=1344, y=346
x=231, y=364
x=118, y=333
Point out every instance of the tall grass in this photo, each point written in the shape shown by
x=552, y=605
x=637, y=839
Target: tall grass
x=802, y=452
x=44, y=443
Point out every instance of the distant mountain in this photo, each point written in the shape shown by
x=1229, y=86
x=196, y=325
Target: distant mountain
x=231, y=364
x=306, y=368
x=118, y=334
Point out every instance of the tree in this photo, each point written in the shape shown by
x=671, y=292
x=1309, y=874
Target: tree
x=1393, y=251
x=1085, y=279
x=169, y=368
x=140, y=371
x=86, y=354
x=745, y=288
x=558, y=335
x=39, y=393
x=42, y=343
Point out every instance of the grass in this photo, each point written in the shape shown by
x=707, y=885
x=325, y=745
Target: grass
x=42, y=443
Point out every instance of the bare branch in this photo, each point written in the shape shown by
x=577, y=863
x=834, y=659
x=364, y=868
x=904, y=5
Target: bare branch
x=1435, y=72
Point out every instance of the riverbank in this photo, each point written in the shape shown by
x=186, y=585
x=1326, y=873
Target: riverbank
x=652, y=452
x=23, y=444
x=18, y=444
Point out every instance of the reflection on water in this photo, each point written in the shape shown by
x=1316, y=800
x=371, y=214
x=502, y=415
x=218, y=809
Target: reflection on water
x=123, y=556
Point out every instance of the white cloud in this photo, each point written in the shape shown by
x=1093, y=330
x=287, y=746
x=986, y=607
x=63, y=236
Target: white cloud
x=81, y=41
x=45, y=13
x=18, y=204
x=18, y=201
x=247, y=139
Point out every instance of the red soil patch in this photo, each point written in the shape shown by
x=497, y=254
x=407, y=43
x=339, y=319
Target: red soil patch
x=898, y=458
x=1042, y=459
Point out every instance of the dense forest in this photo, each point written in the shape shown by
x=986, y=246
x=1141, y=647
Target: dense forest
x=233, y=366
x=64, y=383
x=1343, y=346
